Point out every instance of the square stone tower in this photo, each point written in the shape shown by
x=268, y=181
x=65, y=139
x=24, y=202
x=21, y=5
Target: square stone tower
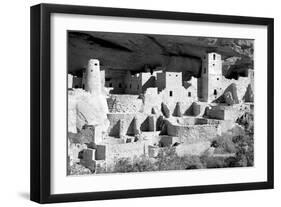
x=169, y=80
x=210, y=82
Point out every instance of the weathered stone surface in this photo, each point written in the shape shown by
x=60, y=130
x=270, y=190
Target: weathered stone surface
x=249, y=95
x=100, y=153
x=77, y=169
x=92, y=110
x=134, y=51
x=131, y=124
x=89, y=134
x=228, y=98
x=178, y=111
x=136, y=119
x=136, y=126
x=222, y=112
x=230, y=94
x=190, y=134
x=90, y=164
x=165, y=110
x=153, y=111
x=93, y=77
x=151, y=101
x=237, y=88
x=100, y=166
x=73, y=151
x=150, y=138
x=84, y=136
x=237, y=68
x=168, y=141
x=198, y=108
x=153, y=151
x=123, y=103
x=88, y=154
x=127, y=150
x=87, y=109
x=152, y=123
x=72, y=113
x=192, y=149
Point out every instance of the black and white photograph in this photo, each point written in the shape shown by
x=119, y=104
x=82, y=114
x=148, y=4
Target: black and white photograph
x=153, y=102
x=140, y=103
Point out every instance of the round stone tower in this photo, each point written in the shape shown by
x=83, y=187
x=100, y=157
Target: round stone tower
x=93, y=77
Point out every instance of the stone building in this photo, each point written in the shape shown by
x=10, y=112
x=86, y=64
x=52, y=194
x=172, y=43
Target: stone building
x=114, y=80
x=69, y=80
x=156, y=86
x=133, y=83
x=210, y=82
x=74, y=81
x=213, y=86
x=93, y=77
x=127, y=115
x=122, y=81
x=191, y=87
x=139, y=82
x=171, y=80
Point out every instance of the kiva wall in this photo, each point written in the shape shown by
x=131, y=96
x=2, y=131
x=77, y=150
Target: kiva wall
x=124, y=103
x=194, y=133
x=127, y=150
x=126, y=124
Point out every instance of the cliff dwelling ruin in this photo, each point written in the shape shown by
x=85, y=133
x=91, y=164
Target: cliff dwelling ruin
x=123, y=114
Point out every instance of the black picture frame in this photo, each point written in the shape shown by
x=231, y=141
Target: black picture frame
x=41, y=99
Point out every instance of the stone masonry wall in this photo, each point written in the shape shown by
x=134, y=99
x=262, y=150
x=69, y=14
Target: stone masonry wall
x=193, y=133
x=151, y=100
x=127, y=150
x=125, y=124
x=124, y=103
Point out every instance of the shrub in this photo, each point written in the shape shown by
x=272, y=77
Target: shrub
x=245, y=150
x=143, y=164
x=223, y=144
x=167, y=159
x=140, y=164
x=122, y=165
x=247, y=120
x=77, y=169
x=213, y=162
x=192, y=162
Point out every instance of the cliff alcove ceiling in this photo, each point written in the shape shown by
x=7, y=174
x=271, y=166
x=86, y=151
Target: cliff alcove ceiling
x=135, y=52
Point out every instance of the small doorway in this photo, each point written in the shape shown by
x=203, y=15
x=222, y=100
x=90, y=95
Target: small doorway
x=215, y=92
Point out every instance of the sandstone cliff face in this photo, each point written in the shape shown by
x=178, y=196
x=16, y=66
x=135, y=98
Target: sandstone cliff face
x=177, y=53
x=83, y=108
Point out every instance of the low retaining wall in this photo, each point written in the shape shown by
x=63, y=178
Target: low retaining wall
x=122, y=124
x=193, y=133
x=193, y=149
x=222, y=113
x=198, y=108
x=112, y=153
x=224, y=124
x=124, y=103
